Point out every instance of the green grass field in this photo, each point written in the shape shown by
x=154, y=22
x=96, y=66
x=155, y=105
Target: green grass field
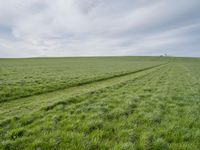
x=119, y=103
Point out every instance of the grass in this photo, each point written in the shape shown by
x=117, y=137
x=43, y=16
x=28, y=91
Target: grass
x=25, y=77
x=155, y=108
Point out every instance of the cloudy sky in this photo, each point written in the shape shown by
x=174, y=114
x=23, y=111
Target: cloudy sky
x=37, y=28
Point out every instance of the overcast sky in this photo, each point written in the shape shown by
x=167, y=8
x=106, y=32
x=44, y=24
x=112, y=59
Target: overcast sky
x=35, y=28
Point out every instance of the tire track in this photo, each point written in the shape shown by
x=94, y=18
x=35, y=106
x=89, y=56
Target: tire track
x=89, y=82
x=35, y=103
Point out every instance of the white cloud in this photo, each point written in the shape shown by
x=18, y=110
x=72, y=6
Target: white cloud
x=99, y=27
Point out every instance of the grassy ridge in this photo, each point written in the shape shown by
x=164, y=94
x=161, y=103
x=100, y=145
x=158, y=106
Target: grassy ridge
x=154, y=109
x=26, y=77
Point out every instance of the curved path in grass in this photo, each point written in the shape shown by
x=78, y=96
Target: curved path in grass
x=19, y=107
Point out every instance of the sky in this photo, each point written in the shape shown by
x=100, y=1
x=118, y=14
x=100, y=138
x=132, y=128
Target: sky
x=59, y=28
